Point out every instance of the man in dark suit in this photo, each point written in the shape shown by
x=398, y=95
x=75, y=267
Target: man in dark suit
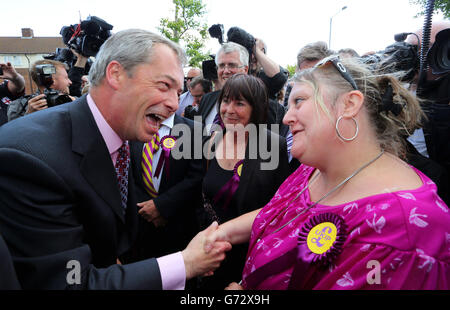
x=168, y=220
x=68, y=210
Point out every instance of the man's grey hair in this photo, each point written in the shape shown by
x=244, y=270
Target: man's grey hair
x=130, y=48
x=231, y=47
x=313, y=51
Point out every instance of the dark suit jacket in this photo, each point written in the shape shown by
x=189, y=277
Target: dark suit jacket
x=178, y=196
x=208, y=103
x=8, y=277
x=60, y=201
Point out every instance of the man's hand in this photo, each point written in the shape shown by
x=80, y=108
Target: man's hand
x=197, y=261
x=36, y=104
x=151, y=214
x=81, y=60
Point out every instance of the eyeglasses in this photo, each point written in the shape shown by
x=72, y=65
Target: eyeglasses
x=335, y=60
x=230, y=66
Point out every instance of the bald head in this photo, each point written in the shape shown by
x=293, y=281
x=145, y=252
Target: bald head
x=436, y=27
x=192, y=73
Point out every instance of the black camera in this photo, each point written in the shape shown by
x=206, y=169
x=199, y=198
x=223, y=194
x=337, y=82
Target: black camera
x=190, y=111
x=54, y=98
x=88, y=36
x=397, y=57
x=438, y=56
x=234, y=34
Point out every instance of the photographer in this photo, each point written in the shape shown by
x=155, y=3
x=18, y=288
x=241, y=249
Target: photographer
x=198, y=87
x=58, y=81
x=76, y=72
x=12, y=88
x=272, y=74
x=432, y=140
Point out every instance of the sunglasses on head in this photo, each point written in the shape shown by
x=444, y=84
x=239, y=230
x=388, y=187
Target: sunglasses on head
x=336, y=62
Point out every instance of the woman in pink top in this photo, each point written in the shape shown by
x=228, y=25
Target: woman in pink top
x=354, y=215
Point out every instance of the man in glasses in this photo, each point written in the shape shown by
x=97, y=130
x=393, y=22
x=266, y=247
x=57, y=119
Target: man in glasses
x=187, y=98
x=231, y=59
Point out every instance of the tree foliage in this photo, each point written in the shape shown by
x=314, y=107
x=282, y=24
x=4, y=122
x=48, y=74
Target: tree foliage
x=188, y=29
x=439, y=6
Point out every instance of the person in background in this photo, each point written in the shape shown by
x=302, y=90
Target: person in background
x=187, y=98
x=199, y=87
x=12, y=88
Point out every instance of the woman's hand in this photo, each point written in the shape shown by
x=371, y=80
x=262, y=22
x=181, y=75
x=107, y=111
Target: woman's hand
x=234, y=287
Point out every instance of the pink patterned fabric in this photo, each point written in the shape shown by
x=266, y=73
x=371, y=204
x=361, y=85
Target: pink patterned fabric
x=407, y=232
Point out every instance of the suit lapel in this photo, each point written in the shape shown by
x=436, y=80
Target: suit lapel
x=96, y=165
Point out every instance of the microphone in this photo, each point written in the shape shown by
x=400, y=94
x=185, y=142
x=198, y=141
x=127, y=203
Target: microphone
x=400, y=37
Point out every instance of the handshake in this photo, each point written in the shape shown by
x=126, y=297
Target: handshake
x=205, y=252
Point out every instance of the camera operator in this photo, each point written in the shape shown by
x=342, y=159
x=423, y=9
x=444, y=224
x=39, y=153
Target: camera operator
x=13, y=87
x=433, y=139
x=76, y=73
x=198, y=87
x=186, y=99
x=273, y=75
x=59, y=82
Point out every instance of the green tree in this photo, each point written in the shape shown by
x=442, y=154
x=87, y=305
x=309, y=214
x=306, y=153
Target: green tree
x=187, y=29
x=291, y=70
x=439, y=6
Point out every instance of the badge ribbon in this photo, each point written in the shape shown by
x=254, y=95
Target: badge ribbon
x=166, y=143
x=231, y=186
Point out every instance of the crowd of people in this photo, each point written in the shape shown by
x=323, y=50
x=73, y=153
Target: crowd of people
x=283, y=182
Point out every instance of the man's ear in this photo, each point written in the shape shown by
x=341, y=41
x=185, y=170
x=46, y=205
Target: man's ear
x=352, y=103
x=114, y=74
x=246, y=69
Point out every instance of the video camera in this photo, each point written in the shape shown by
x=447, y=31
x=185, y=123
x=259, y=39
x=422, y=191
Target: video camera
x=402, y=56
x=54, y=98
x=234, y=34
x=88, y=36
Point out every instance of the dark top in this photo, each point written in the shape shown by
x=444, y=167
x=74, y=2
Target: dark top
x=256, y=188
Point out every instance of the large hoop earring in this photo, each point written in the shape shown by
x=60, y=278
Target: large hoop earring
x=339, y=134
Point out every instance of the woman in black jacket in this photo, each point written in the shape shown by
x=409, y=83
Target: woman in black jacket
x=245, y=164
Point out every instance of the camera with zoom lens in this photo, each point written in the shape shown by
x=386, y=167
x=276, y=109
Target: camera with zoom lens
x=402, y=56
x=88, y=36
x=53, y=97
x=397, y=57
x=190, y=111
x=234, y=34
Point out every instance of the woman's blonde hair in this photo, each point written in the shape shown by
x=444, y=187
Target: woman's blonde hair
x=394, y=112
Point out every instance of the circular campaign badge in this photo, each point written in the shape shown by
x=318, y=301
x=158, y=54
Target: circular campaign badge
x=168, y=142
x=239, y=169
x=323, y=236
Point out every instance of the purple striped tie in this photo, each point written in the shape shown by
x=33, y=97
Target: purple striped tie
x=146, y=164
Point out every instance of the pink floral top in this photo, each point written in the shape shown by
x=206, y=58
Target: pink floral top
x=398, y=240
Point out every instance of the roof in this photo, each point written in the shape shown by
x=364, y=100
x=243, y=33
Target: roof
x=35, y=45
